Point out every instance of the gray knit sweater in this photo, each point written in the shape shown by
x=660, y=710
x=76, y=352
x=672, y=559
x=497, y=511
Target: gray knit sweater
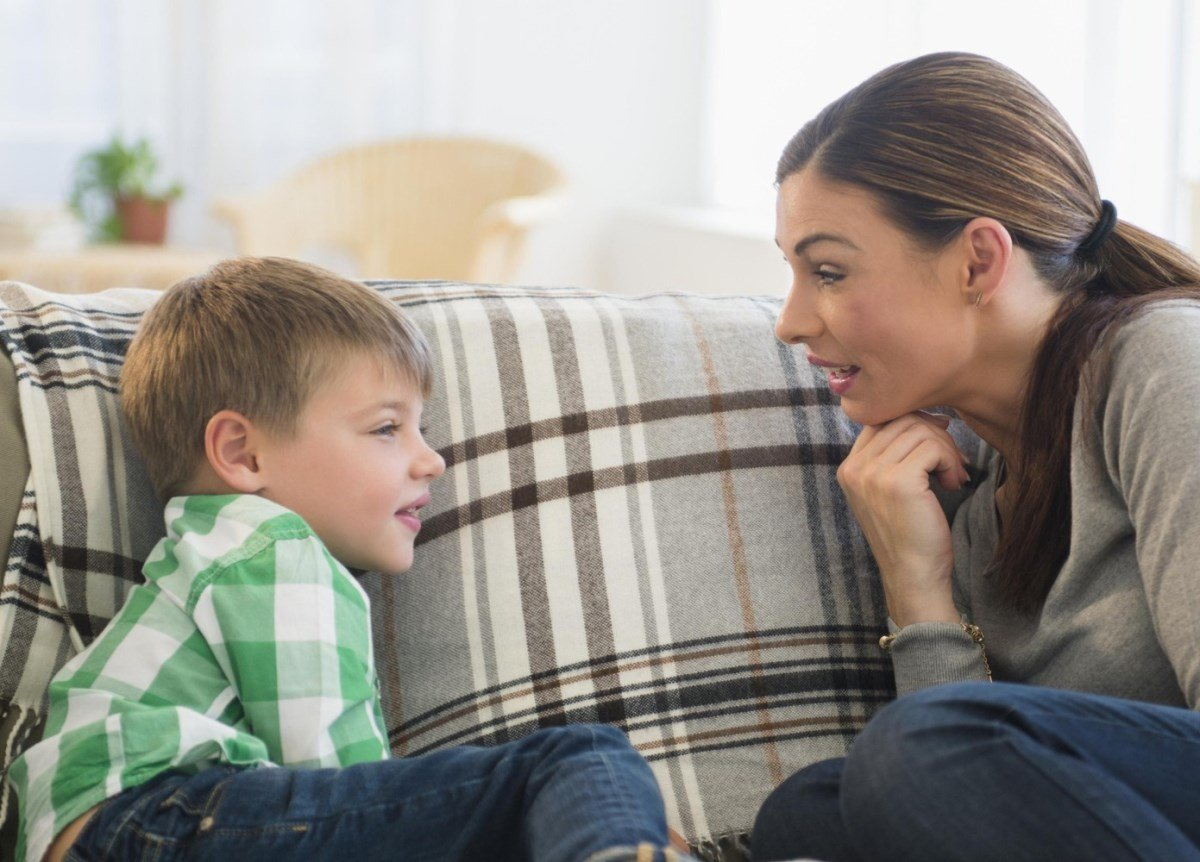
x=1123, y=617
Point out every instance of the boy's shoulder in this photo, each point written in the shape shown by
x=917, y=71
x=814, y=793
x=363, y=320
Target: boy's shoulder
x=208, y=535
x=229, y=518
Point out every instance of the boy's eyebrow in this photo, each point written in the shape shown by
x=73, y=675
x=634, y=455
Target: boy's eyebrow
x=401, y=407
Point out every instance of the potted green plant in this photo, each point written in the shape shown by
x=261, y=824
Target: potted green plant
x=117, y=193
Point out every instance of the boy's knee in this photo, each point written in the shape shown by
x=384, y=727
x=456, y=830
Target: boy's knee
x=580, y=738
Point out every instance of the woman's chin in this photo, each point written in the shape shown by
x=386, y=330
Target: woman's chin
x=867, y=414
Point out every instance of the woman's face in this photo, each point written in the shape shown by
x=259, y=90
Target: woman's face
x=886, y=321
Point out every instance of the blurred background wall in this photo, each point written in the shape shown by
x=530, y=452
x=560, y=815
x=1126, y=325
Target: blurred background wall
x=666, y=115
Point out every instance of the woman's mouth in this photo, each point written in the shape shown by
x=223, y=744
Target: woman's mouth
x=841, y=377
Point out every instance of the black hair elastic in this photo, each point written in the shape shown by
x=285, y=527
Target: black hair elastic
x=1108, y=220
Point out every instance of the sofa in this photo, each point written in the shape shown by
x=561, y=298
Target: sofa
x=639, y=524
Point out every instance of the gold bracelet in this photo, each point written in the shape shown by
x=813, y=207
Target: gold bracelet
x=972, y=630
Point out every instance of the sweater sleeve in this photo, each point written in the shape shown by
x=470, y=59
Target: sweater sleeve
x=928, y=654
x=1150, y=426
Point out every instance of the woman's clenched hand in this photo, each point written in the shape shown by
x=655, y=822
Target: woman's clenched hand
x=886, y=480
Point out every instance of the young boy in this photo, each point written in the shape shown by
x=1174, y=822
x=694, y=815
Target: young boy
x=277, y=409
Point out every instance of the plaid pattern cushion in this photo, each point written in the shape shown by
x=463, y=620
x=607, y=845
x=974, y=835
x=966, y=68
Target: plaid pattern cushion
x=640, y=525
x=88, y=516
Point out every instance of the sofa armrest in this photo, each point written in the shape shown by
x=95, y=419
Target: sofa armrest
x=14, y=457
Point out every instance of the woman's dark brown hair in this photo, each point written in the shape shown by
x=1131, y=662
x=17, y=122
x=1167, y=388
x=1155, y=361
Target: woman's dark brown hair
x=949, y=137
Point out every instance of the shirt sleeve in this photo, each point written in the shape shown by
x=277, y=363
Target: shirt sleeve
x=291, y=631
x=1150, y=423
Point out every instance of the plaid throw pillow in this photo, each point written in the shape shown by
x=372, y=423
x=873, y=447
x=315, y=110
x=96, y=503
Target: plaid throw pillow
x=640, y=525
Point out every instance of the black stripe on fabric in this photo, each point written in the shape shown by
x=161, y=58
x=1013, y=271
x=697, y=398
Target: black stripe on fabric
x=699, y=464
x=719, y=697
x=626, y=415
x=71, y=332
x=763, y=638
x=84, y=384
x=85, y=560
x=24, y=605
x=833, y=664
x=536, y=620
x=849, y=683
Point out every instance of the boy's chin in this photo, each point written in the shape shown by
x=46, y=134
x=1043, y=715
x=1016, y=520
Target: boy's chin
x=387, y=568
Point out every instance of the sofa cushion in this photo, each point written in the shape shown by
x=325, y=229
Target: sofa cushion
x=639, y=524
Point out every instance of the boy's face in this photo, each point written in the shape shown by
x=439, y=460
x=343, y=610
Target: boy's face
x=357, y=469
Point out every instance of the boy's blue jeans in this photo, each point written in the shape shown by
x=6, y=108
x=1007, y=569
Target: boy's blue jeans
x=985, y=771
x=564, y=794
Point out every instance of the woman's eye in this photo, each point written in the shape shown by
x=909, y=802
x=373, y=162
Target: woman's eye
x=827, y=277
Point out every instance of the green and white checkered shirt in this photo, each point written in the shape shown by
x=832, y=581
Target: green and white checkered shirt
x=249, y=644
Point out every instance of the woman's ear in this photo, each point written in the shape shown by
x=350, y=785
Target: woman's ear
x=230, y=445
x=989, y=250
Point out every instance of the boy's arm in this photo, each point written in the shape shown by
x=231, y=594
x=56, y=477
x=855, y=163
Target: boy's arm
x=291, y=630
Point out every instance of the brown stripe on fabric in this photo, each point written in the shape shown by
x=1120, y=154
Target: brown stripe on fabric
x=527, y=522
x=767, y=729
x=613, y=668
x=631, y=414
x=585, y=523
x=37, y=375
x=31, y=597
x=699, y=464
x=737, y=548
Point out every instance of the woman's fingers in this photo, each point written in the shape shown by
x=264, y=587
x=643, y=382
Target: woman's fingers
x=891, y=444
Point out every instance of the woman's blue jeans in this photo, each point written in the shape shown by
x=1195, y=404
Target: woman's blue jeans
x=980, y=771
x=564, y=794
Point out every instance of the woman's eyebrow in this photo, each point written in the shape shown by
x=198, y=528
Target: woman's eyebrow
x=822, y=237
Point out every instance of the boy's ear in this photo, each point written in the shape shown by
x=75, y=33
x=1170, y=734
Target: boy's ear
x=989, y=248
x=230, y=441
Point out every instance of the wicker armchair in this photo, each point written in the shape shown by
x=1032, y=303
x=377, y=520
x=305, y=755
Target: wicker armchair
x=418, y=208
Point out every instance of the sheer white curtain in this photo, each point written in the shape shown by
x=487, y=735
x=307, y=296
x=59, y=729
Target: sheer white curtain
x=232, y=94
x=1115, y=68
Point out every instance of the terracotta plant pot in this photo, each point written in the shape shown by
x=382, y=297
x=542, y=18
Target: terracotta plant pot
x=142, y=219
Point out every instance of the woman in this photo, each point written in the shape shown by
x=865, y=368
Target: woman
x=949, y=246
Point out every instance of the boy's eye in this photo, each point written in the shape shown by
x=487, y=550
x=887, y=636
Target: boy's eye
x=388, y=430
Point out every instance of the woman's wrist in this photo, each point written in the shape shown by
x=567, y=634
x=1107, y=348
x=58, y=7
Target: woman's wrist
x=923, y=609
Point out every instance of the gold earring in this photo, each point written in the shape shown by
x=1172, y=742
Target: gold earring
x=979, y=299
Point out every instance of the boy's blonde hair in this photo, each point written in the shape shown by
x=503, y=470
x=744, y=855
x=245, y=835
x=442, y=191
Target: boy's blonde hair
x=254, y=335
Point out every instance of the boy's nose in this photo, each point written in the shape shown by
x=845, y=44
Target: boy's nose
x=432, y=465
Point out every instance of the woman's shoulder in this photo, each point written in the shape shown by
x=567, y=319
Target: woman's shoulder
x=1166, y=316
x=1151, y=386
x=1164, y=338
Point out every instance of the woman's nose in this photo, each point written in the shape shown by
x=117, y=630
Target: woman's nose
x=797, y=320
